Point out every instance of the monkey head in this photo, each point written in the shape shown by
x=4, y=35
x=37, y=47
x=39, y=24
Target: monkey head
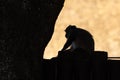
x=69, y=30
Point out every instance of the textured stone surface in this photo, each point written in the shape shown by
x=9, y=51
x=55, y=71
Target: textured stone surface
x=100, y=17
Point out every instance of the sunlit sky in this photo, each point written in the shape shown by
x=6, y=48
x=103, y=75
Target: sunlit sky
x=100, y=17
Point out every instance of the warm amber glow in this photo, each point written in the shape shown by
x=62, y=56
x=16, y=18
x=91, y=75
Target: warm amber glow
x=100, y=17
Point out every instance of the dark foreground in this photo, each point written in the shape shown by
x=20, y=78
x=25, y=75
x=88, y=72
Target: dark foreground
x=102, y=68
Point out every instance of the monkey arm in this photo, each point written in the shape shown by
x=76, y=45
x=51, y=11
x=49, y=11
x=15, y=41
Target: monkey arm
x=68, y=42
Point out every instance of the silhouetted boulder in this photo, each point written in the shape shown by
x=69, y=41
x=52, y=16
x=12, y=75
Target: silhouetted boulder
x=82, y=64
x=50, y=69
x=26, y=26
x=64, y=65
x=99, y=65
x=75, y=65
x=114, y=69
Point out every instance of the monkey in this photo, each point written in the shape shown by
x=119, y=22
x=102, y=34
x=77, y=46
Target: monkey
x=71, y=32
x=83, y=37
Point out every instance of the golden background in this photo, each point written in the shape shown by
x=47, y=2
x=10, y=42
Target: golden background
x=100, y=17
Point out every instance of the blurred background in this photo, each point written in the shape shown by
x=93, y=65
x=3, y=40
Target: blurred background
x=99, y=17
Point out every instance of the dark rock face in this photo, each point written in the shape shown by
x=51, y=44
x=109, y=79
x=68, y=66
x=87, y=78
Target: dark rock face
x=26, y=27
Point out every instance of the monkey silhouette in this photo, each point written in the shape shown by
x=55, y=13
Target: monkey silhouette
x=70, y=35
x=75, y=63
x=83, y=38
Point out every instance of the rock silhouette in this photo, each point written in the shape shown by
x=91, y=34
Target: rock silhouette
x=26, y=26
x=74, y=65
